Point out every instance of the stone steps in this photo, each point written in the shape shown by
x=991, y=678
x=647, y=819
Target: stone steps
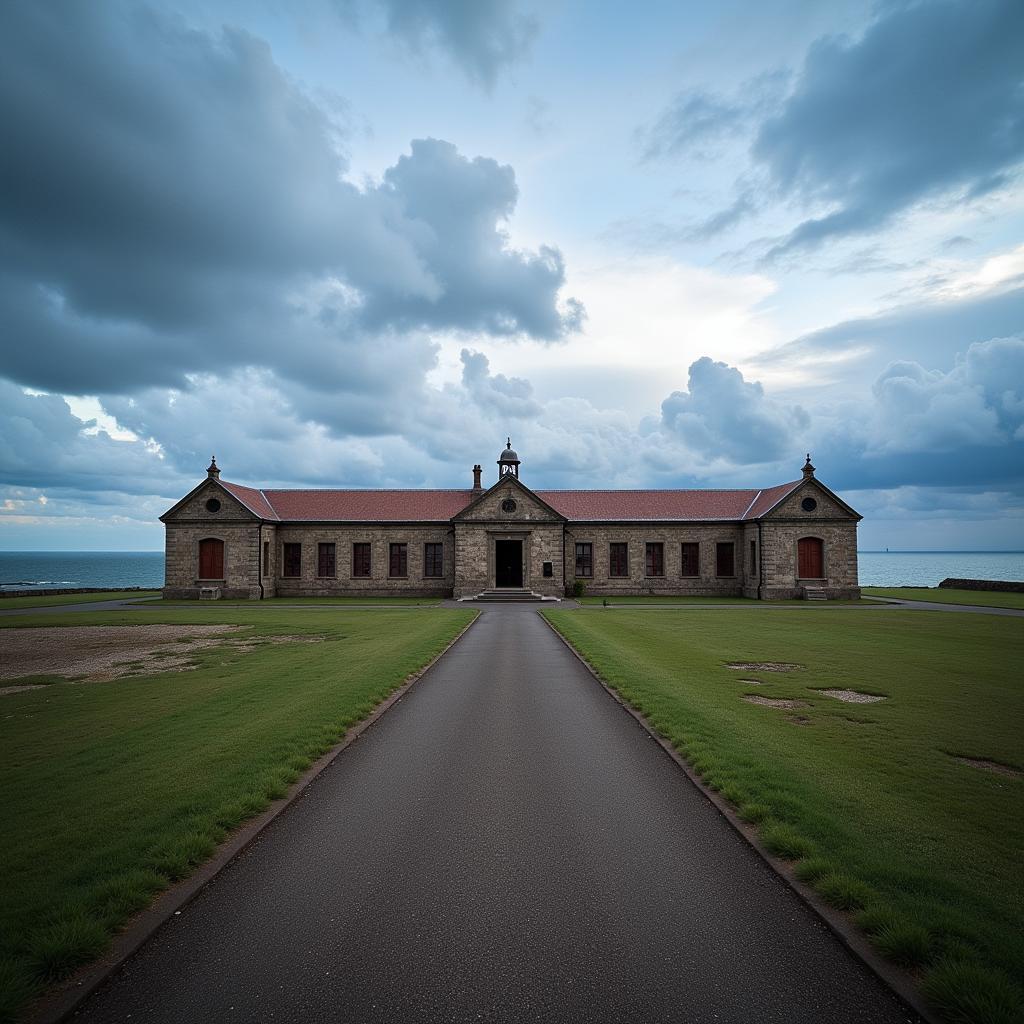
x=507, y=595
x=814, y=594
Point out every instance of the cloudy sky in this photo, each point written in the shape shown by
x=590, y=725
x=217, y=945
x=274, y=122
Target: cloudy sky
x=359, y=242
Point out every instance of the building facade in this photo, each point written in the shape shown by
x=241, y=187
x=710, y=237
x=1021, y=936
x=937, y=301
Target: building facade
x=793, y=540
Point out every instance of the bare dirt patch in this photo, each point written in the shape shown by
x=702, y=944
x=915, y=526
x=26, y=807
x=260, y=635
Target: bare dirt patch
x=990, y=766
x=21, y=689
x=853, y=696
x=775, y=702
x=762, y=666
x=798, y=720
x=752, y=682
x=99, y=653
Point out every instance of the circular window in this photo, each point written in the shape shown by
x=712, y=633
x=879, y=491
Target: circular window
x=808, y=504
x=213, y=505
x=508, y=505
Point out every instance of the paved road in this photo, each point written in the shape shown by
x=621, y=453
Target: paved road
x=506, y=844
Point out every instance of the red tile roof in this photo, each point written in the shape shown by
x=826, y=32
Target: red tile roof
x=609, y=506
x=252, y=499
x=369, y=506
x=441, y=505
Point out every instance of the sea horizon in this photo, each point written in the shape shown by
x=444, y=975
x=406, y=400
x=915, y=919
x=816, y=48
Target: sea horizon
x=109, y=569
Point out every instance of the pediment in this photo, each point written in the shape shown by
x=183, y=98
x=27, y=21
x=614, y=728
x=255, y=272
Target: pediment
x=193, y=507
x=493, y=505
x=827, y=505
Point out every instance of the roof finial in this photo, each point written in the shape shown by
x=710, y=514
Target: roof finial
x=212, y=471
x=808, y=469
x=509, y=445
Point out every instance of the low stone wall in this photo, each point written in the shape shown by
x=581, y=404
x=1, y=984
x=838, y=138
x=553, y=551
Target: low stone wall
x=51, y=591
x=1005, y=586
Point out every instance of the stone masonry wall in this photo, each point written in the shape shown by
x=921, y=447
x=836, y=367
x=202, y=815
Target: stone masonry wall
x=474, y=555
x=241, y=542
x=839, y=541
x=672, y=536
x=379, y=583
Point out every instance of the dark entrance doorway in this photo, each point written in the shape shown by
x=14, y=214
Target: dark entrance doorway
x=508, y=563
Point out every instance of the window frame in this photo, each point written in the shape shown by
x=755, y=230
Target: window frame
x=433, y=560
x=654, y=548
x=584, y=565
x=401, y=548
x=612, y=547
x=720, y=547
x=265, y=568
x=293, y=548
x=359, y=549
x=695, y=545
x=753, y=557
x=333, y=560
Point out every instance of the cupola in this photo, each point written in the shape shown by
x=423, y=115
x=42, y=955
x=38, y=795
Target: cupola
x=212, y=471
x=508, y=462
x=808, y=470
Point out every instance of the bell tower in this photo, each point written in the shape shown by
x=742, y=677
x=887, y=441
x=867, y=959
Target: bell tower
x=508, y=462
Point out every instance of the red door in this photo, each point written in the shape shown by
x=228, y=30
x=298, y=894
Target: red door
x=810, y=562
x=211, y=559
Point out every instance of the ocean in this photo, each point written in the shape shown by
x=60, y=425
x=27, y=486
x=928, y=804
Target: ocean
x=40, y=570
x=44, y=570
x=929, y=568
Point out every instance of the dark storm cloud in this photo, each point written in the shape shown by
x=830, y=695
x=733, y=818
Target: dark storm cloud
x=931, y=333
x=42, y=445
x=929, y=102
x=484, y=37
x=172, y=202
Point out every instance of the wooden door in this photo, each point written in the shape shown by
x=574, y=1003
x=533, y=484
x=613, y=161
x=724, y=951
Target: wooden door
x=810, y=560
x=211, y=559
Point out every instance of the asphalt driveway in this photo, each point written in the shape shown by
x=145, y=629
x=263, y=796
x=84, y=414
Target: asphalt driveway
x=505, y=844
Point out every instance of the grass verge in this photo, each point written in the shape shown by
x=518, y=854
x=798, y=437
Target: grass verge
x=675, y=599
x=113, y=790
x=278, y=602
x=867, y=799
x=43, y=600
x=984, y=598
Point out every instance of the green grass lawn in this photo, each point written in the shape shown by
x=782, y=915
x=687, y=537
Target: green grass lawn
x=271, y=602
x=42, y=600
x=986, y=598
x=669, y=599
x=868, y=799
x=111, y=790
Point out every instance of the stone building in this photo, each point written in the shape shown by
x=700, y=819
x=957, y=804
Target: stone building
x=793, y=540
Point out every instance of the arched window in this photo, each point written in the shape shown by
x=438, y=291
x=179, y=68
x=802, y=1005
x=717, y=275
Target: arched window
x=810, y=558
x=211, y=559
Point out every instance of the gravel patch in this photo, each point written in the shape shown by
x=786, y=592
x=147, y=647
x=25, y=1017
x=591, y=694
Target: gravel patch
x=853, y=696
x=96, y=653
x=991, y=766
x=762, y=666
x=775, y=702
